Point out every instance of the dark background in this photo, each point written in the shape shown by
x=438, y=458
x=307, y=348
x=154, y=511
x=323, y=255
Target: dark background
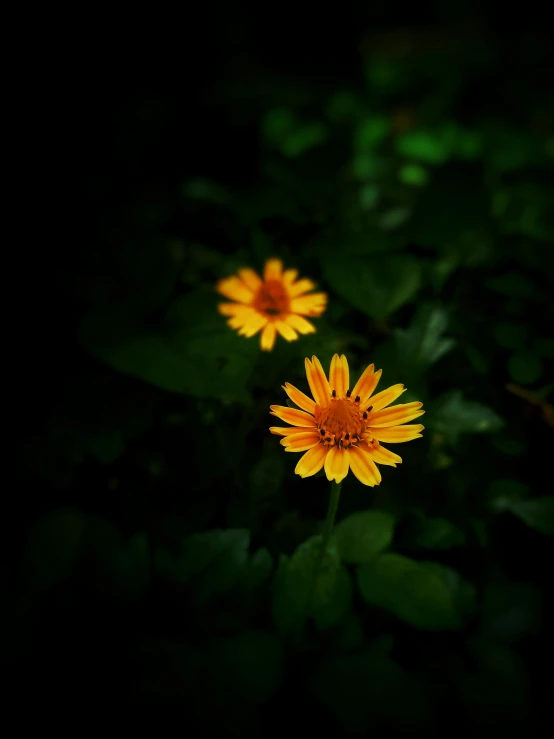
x=402, y=158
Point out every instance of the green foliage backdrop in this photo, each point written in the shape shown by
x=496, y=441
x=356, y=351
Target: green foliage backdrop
x=159, y=546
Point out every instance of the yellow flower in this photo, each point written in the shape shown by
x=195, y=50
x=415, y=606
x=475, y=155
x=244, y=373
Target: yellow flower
x=275, y=304
x=342, y=428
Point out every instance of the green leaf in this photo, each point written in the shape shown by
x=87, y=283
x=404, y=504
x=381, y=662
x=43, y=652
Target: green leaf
x=438, y=533
x=362, y=536
x=257, y=570
x=194, y=354
x=453, y=415
x=411, y=590
x=343, y=105
x=54, y=546
x=525, y=368
x=510, y=335
x=424, y=146
x=277, y=124
x=332, y=596
x=367, y=692
x=537, y=513
x=511, y=612
x=394, y=218
x=377, y=286
x=249, y=665
x=512, y=284
x=496, y=691
x=501, y=494
x=215, y=559
x=119, y=569
x=413, y=174
x=266, y=475
x=371, y=132
x=305, y=137
x=423, y=343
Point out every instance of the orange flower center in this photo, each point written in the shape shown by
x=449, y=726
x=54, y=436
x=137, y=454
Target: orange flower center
x=272, y=298
x=342, y=422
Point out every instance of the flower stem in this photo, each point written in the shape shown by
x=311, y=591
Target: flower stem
x=325, y=535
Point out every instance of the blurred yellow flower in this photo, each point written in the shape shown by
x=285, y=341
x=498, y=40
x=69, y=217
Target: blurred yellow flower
x=342, y=428
x=274, y=304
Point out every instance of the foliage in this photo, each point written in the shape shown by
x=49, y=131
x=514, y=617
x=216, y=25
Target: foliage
x=161, y=550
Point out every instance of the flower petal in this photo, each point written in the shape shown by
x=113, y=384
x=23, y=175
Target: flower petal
x=339, y=375
x=396, y=434
x=384, y=456
x=300, y=287
x=298, y=397
x=241, y=318
x=235, y=289
x=337, y=463
x=250, y=278
x=364, y=467
x=289, y=276
x=300, y=324
x=386, y=397
x=273, y=269
x=312, y=461
x=292, y=416
x=286, y=331
x=317, y=381
x=309, y=305
x=268, y=337
x=300, y=442
x=367, y=383
x=395, y=415
x=233, y=309
x=254, y=324
x=287, y=430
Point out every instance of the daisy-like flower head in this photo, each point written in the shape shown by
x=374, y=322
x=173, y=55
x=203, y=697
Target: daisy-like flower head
x=343, y=427
x=274, y=304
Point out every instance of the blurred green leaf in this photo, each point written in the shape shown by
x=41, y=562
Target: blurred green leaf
x=54, y=546
x=453, y=415
x=510, y=335
x=368, y=692
x=394, y=218
x=537, y=513
x=305, y=137
x=217, y=558
x=277, y=123
x=496, y=692
x=249, y=664
x=207, y=190
x=371, y=132
x=413, y=174
x=332, y=596
x=501, y=494
x=525, y=368
x=256, y=570
x=343, y=105
x=438, y=533
x=511, y=612
x=423, y=343
x=195, y=353
x=513, y=285
x=411, y=590
x=375, y=285
x=423, y=146
x=362, y=536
